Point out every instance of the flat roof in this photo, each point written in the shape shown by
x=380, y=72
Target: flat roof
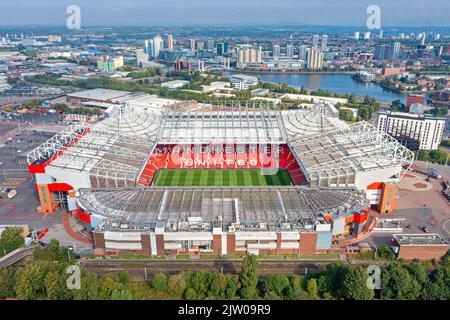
x=420, y=239
x=99, y=94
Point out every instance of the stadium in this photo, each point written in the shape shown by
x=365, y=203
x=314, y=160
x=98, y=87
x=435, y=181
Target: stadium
x=221, y=179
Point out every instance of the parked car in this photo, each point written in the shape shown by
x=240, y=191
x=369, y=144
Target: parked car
x=425, y=229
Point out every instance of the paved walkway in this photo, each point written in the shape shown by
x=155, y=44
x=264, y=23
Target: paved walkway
x=71, y=232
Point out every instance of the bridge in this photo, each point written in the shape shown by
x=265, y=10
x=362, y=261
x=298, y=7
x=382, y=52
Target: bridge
x=15, y=256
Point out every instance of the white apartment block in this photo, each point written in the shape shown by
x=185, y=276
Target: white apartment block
x=413, y=130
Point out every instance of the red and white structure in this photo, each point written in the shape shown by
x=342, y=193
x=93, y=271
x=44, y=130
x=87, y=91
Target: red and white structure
x=106, y=171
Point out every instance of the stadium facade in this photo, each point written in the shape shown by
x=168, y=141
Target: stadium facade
x=340, y=173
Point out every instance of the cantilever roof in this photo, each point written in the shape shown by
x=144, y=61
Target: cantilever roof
x=249, y=207
x=102, y=153
x=344, y=151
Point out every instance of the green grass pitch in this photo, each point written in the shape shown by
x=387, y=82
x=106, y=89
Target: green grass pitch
x=220, y=177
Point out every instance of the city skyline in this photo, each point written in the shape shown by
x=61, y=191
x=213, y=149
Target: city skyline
x=252, y=12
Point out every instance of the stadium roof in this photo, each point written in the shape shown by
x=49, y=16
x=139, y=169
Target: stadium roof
x=103, y=154
x=242, y=207
x=341, y=153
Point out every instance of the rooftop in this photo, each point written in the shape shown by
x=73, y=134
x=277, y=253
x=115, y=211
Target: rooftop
x=420, y=239
x=99, y=94
x=242, y=207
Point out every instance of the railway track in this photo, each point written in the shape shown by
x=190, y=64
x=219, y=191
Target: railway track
x=142, y=269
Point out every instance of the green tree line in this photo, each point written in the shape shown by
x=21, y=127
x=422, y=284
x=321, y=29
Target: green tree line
x=45, y=279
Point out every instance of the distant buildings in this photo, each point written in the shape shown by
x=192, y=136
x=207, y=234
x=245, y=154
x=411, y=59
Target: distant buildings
x=315, y=59
x=315, y=41
x=248, y=55
x=243, y=82
x=415, y=131
x=223, y=48
x=168, y=42
x=192, y=43
x=4, y=85
x=175, y=84
x=356, y=35
x=141, y=57
x=387, y=52
x=396, y=50
x=302, y=52
x=276, y=51
x=414, y=98
x=367, y=35
x=290, y=50
x=106, y=63
x=153, y=47
x=324, y=44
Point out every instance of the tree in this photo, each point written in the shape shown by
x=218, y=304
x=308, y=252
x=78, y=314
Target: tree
x=10, y=239
x=107, y=287
x=199, y=281
x=216, y=289
x=54, y=285
x=90, y=287
x=332, y=280
x=438, y=286
x=276, y=283
x=30, y=281
x=396, y=283
x=248, y=277
x=124, y=294
x=311, y=288
x=418, y=272
x=7, y=282
x=232, y=286
x=346, y=115
x=355, y=285
x=190, y=294
x=159, y=282
x=176, y=284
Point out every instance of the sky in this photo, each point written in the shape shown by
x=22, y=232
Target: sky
x=225, y=12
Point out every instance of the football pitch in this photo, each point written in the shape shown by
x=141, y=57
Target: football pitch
x=220, y=177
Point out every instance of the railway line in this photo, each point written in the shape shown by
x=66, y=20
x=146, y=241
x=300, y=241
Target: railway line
x=142, y=269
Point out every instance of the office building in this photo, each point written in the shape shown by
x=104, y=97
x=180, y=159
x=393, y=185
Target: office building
x=105, y=63
x=324, y=43
x=209, y=45
x=141, y=57
x=276, y=51
x=315, y=59
x=290, y=50
x=248, y=55
x=153, y=47
x=415, y=131
x=396, y=50
x=223, y=48
x=356, y=35
x=315, y=41
x=243, y=81
x=367, y=35
x=192, y=43
x=302, y=52
x=168, y=42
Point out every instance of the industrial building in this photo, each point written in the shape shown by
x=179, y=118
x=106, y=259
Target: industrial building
x=420, y=246
x=340, y=174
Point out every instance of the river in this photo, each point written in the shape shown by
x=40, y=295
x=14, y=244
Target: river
x=335, y=82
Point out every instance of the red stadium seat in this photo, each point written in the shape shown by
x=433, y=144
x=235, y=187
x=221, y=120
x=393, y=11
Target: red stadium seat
x=230, y=156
